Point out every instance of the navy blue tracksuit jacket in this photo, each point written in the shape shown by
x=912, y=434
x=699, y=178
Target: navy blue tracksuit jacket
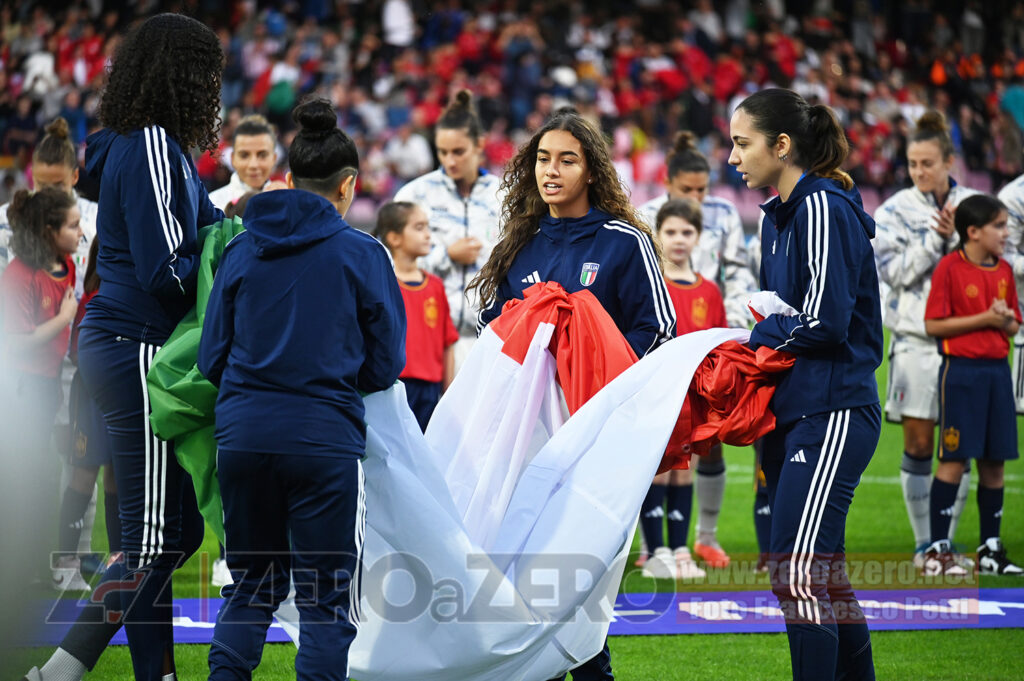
x=613, y=259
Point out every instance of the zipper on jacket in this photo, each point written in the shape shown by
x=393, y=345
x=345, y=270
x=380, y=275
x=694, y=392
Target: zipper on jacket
x=465, y=268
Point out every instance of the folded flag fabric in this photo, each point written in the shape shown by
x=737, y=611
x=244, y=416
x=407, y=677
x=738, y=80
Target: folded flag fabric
x=495, y=542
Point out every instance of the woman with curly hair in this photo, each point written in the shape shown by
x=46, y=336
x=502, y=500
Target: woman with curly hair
x=161, y=101
x=568, y=220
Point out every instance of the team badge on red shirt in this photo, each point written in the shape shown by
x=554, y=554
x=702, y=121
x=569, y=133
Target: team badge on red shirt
x=430, y=312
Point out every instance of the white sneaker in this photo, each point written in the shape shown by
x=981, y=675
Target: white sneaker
x=686, y=567
x=661, y=565
x=67, y=576
x=221, y=574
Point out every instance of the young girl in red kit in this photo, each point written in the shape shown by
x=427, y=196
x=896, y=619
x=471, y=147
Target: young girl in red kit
x=38, y=292
x=698, y=305
x=37, y=305
x=430, y=333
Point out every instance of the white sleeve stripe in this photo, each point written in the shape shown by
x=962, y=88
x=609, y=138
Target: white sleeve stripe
x=662, y=305
x=160, y=178
x=154, y=181
x=177, y=232
x=657, y=282
x=817, y=251
x=162, y=163
x=661, y=299
x=812, y=259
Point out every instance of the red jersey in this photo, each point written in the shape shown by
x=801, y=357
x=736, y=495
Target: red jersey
x=961, y=289
x=698, y=305
x=429, y=328
x=28, y=298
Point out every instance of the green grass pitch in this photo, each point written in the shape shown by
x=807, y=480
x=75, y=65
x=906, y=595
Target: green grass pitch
x=877, y=524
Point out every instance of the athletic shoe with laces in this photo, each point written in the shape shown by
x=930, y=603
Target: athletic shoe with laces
x=939, y=560
x=712, y=554
x=686, y=567
x=67, y=576
x=661, y=565
x=221, y=574
x=993, y=561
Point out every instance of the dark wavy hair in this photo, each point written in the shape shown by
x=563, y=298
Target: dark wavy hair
x=167, y=72
x=819, y=142
x=523, y=206
x=35, y=219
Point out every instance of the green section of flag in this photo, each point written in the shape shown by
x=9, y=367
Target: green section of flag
x=181, y=399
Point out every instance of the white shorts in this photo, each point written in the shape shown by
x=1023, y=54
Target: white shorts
x=913, y=380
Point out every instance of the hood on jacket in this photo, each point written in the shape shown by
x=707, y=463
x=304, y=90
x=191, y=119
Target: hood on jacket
x=97, y=148
x=561, y=230
x=778, y=211
x=287, y=220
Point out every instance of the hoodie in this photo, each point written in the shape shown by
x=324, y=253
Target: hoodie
x=305, y=313
x=816, y=255
x=613, y=259
x=151, y=205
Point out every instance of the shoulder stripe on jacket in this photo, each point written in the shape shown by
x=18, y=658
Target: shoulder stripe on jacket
x=817, y=252
x=160, y=179
x=662, y=304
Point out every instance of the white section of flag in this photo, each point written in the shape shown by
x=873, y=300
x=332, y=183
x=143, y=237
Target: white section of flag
x=495, y=500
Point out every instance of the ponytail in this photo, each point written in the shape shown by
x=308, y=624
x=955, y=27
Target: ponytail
x=56, y=148
x=460, y=114
x=828, y=144
x=685, y=157
x=931, y=126
x=819, y=143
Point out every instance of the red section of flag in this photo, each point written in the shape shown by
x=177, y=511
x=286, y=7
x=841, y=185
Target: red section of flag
x=727, y=401
x=589, y=349
x=728, y=397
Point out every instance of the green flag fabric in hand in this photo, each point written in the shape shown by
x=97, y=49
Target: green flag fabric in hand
x=181, y=399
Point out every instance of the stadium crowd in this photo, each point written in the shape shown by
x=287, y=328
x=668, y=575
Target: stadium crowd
x=644, y=70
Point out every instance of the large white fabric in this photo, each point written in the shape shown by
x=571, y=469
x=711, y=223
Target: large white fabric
x=495, y=544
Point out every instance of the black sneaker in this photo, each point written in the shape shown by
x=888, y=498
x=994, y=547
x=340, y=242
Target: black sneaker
x=939, y=560
x=993, y=561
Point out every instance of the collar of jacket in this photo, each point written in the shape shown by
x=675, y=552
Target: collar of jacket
x=568, y=230
x=450, y=183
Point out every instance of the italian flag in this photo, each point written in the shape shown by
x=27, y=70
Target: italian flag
x=496, y=542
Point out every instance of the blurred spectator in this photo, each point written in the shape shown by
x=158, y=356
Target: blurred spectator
x=408, y=154
x=651, y=67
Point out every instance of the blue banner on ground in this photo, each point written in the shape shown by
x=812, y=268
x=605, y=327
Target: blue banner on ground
x=738, y=612
x=639, y=614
